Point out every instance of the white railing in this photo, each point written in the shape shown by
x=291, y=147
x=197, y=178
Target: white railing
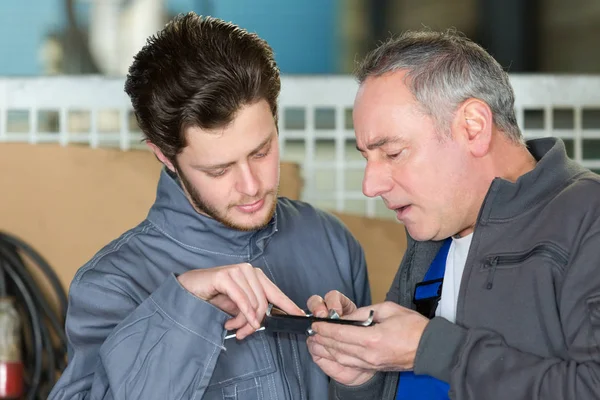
x=315, y=123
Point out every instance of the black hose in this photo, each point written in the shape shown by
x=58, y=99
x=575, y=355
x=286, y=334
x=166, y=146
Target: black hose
x=43, y=265
x=2, y=280
x=57, y=324
x=43, y=336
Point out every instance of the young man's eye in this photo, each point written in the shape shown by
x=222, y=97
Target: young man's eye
x=216, y=174
x=262, y=154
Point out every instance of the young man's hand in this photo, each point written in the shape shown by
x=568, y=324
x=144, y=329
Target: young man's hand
x=240, y=290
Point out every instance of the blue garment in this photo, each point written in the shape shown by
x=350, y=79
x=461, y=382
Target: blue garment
x=411, y=386
x=135, y=333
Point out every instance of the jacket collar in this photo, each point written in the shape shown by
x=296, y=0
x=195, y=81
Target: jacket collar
x=175, y=217
x=552, y=172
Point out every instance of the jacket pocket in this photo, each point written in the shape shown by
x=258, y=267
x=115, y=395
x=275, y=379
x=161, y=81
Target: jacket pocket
x=512, y=260
x=240, y=370
x=249, y=389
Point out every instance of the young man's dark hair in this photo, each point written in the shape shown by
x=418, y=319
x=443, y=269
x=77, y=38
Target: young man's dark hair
x=184, y=77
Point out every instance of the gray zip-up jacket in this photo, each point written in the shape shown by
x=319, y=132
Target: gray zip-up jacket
x=528, y=313
x=135, y=333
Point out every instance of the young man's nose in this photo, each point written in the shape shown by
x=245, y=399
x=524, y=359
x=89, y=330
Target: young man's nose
x=248, y=183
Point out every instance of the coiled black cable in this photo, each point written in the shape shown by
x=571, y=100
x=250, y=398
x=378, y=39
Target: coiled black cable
x=44, y=344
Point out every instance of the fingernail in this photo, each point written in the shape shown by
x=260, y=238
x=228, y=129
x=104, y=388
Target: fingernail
x=321, y=314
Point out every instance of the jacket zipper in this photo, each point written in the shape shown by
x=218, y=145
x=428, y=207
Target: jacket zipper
x=278, y=342
x=549, y=249
x=286, y=382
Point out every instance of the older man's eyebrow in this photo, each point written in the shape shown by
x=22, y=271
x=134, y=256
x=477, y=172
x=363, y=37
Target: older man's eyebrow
x=379, y=142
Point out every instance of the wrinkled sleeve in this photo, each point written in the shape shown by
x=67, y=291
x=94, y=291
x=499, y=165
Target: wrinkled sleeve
x=165, y=347
x=358, y=262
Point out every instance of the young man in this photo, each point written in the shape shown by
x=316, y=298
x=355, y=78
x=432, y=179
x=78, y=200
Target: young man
x=149, y=313
x=512, y=228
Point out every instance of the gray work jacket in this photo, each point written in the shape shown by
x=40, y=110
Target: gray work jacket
x=135, y=333
x=528, y=312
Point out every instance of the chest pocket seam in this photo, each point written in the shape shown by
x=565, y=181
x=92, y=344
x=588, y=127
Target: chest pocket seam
x=240, y=391
x=269, y=368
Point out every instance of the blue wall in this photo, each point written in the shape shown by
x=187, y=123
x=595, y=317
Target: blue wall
x=303, y=33
x=23, y=26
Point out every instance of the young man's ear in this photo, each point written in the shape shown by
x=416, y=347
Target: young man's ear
x=161, y=157
x=475, y=120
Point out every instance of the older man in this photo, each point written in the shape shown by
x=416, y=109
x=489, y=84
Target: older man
x=504, y=234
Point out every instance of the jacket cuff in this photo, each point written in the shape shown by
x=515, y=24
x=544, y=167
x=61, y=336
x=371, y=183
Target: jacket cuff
x=439, y=348
x=190, y=312
x=359, y=392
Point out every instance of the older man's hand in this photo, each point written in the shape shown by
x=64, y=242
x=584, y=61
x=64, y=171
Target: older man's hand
x=390, y=345
x=343, y=306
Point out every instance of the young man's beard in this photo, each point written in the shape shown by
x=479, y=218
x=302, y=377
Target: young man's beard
x=208, y=209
